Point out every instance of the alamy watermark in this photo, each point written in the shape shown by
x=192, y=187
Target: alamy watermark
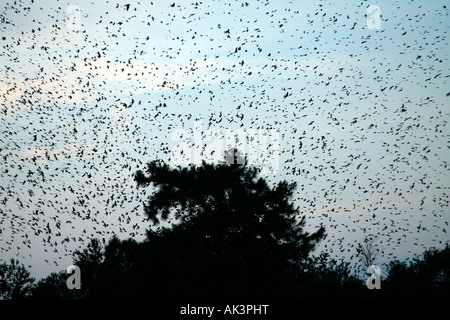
x=373, y=17
x=73, y=22
x=374, y=281
x=74, y=280
x=258, y=147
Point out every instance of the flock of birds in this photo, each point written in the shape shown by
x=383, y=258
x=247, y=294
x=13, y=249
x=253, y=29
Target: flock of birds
x=362, y=115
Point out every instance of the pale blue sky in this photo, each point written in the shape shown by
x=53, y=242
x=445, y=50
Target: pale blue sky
x=381, y=172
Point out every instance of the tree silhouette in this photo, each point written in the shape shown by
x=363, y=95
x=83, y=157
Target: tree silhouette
x=367, y=252
x=91, y=261
x=323, y=277
x=427, y=277
x=109, y=271
x=232, y=235
x=220, y=231
x=54, y=287
x=15, y=281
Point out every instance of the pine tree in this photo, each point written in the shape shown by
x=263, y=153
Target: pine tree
x=230, y=234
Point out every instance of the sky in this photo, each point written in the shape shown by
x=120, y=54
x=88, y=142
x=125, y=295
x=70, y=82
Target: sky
x=92, y=91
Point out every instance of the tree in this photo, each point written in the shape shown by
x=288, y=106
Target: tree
x=54, y=287
x=232, y=234
x=367, y=252
x=90, y=261
x=323, y=277
x=427, y=276
x=15, y=281
x=109, y=271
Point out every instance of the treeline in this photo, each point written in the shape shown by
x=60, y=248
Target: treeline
x=235, y=237
x=119, y=271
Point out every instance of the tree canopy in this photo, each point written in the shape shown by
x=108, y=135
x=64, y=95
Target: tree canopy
x=232, y=233
x=15, y=281
x=220, y=231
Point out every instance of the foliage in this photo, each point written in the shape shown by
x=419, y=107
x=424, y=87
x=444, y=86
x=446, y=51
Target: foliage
x=54, y=287
x=231, y=228
x=15, y=281
x=367, y=252
x=323, y=277
x=220, y=231
x=428, y=276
